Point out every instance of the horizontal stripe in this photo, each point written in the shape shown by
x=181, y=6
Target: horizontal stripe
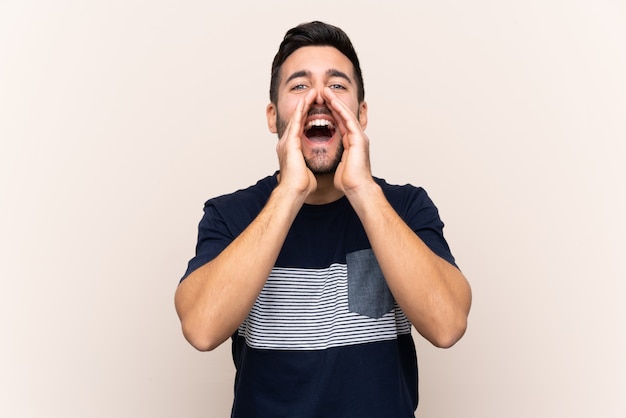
x=307, y=309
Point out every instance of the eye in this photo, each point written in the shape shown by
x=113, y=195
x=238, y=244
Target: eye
x=337, y=87
x=299, y=87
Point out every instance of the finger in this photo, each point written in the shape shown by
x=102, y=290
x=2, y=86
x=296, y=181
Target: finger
x=342, y=113
x=331, y=98
x=298, y=117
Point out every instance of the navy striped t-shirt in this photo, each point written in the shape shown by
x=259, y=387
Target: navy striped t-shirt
x=325, y=338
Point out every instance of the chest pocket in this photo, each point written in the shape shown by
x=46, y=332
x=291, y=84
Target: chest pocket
x=368, y=293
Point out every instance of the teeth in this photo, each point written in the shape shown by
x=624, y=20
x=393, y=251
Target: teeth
x=320, y=122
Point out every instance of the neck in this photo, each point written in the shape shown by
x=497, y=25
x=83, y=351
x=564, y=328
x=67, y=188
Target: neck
x=325, y=192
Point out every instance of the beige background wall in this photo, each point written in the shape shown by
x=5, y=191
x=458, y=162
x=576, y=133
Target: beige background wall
x=118, y=119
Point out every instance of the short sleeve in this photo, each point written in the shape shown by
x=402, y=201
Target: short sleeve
x=423, y=217
x=213, y=237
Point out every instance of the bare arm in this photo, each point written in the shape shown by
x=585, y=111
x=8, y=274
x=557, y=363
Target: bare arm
x=214, y=299
x=433, y=293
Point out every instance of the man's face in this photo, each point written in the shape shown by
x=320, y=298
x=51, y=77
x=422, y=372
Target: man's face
x=316, y=67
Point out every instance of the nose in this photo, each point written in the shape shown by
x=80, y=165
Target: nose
x=318, y=107
x=319, y=97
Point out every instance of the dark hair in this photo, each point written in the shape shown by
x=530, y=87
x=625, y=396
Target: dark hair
x=315, y=34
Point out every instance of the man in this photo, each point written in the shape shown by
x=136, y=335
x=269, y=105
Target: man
x=318, y=272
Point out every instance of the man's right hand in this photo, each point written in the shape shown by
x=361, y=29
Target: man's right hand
x=294, y=174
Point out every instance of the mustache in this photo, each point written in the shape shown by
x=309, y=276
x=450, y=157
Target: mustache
x=320, y=110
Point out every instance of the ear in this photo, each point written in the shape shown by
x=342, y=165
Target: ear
x=270, y=114
x=363, y=115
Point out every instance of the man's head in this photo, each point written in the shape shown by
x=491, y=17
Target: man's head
x=314, y=34
x=313, y=58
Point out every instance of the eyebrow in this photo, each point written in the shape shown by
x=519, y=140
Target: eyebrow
x=329, y=73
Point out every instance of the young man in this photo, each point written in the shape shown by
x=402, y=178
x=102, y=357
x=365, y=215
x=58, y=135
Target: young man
x=318, y=272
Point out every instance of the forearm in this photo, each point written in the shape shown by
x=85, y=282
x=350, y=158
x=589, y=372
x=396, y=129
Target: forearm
x=213, y=300
x=433, y=293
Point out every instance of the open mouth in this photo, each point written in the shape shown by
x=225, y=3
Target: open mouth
x=319, y=130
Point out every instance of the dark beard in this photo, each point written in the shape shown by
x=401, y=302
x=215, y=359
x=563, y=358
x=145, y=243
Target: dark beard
x=317, y=168
x=328, y=168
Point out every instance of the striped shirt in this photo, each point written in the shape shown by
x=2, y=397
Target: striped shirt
x=325, y=337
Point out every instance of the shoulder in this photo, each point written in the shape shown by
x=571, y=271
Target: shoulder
x=252, y=195
x=417, y=209
x=405, y=195
x=234, y=211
